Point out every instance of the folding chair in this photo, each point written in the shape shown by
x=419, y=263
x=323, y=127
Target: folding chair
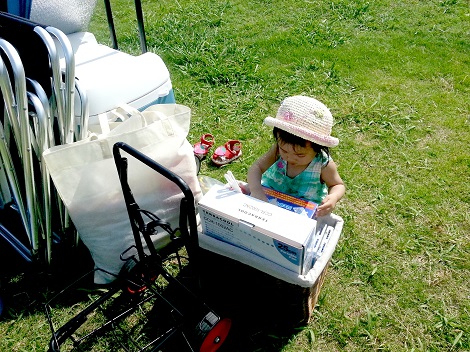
x=34, y=109
x=16, y=139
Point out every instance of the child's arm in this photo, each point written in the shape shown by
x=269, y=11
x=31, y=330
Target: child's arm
x=257, y=169
x=336, y=189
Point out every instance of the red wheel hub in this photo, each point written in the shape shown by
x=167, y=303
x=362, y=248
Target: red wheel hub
x=216, y=337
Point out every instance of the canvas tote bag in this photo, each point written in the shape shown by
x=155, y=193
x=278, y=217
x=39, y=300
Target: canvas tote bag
x=85, y=176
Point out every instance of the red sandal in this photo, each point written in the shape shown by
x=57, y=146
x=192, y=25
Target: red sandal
x=202, y=148
x=227, y=153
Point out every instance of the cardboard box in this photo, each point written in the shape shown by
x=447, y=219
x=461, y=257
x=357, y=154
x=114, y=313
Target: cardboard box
x=261, y=228
x=291, y=203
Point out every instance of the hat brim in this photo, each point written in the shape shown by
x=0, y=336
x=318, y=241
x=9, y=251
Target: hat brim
x=326, y=141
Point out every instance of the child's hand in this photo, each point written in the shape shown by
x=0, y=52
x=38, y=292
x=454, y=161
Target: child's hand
x=244, y=187
x=259, y=194
x=327, y=205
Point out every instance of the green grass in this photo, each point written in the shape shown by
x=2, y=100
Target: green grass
x=396, y=78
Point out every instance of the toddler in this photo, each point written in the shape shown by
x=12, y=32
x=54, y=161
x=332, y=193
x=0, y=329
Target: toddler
x=299, y=162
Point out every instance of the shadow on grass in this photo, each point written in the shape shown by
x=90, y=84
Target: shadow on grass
x=265, y=313
x=25, y=285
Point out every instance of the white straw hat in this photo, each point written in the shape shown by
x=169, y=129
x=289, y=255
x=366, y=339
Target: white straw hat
x=305, y=117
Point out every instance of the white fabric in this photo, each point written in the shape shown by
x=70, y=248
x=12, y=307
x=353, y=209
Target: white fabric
x=67, y=15
x=273, y=269
x=112, y=120
x=85, y=176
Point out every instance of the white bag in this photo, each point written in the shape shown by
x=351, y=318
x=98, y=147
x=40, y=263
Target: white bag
x=105, y=122
x=86, y=178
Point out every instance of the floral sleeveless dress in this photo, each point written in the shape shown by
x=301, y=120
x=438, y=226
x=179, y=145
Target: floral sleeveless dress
x=306, y=185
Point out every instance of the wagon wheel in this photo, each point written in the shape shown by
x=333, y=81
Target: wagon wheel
x=136, y=277
x=212, y=332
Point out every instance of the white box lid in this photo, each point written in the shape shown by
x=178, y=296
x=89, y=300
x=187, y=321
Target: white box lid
x=278, y=223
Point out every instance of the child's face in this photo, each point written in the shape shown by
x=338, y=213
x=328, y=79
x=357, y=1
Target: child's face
x=295, y=155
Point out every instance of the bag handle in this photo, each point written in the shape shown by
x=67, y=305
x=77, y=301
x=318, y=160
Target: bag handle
x=155, y=115
x=166, y=123
x=120, y=114
x=133, y=123
x=126, y=110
